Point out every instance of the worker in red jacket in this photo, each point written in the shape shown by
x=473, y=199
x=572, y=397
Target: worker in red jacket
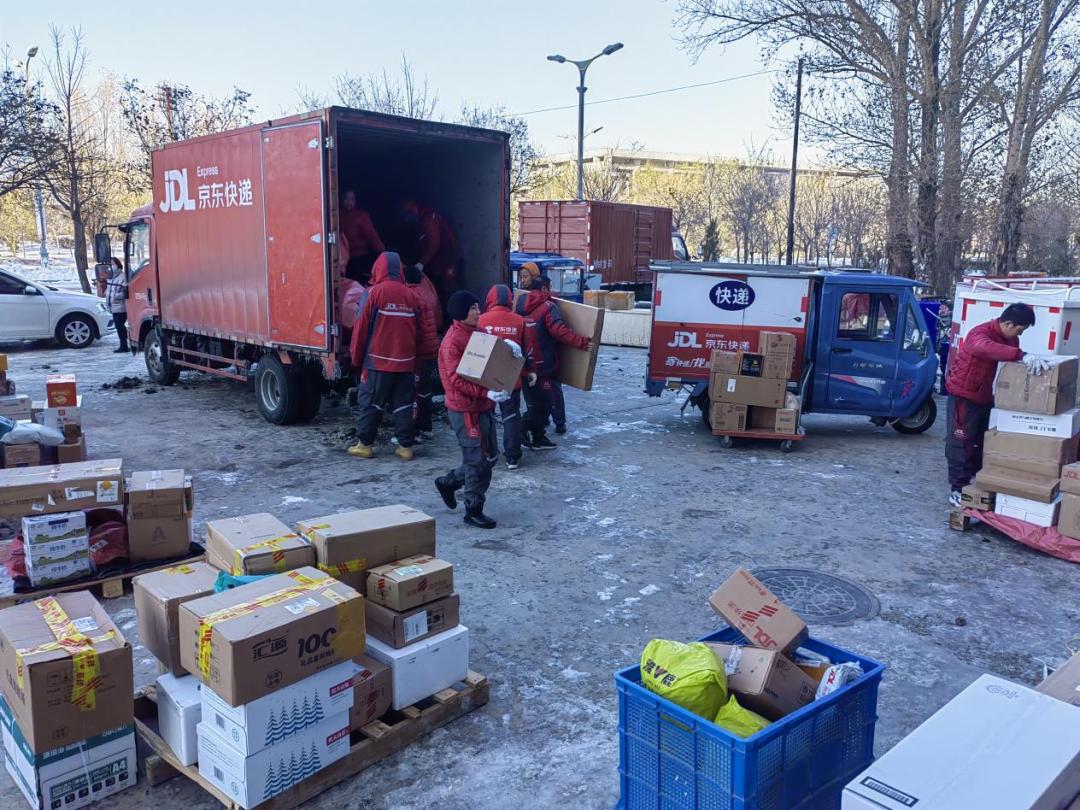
x=385, y=340
x=970, y=383
x=427, y=352
x=468, y=406
x=432, y=245
x=362, y=241
x=544, y=331
x=500, y=320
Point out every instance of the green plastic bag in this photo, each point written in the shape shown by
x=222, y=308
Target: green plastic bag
x=689, y=675
x=739, y=721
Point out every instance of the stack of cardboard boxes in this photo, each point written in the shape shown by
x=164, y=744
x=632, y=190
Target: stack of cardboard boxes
x=61, y=410
x=748, y=390
x=159, y=508
x=1033, y=433
x=56, y=547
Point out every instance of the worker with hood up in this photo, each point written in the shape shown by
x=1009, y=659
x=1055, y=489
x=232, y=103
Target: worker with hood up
x=385, y=339
x=428, y=352
x=468, y=407
x=500, y=320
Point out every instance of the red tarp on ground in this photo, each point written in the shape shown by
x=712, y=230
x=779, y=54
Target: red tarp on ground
x=1049, y=541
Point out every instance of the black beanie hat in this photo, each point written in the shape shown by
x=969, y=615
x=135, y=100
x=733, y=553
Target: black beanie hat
x=460, y=303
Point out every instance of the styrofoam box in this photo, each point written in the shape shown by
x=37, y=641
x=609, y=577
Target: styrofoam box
x=179, y=711
x=252, y=780
x=426, y=667
x=1063, y=426
x=995, y=745
x=275, y=717
x=1034, y=512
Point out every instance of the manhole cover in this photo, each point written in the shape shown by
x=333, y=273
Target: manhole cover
x=820, y=598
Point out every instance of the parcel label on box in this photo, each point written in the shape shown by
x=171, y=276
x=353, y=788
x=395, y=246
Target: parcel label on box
x=757, y=613
x=401, y=628
x=61, y=488
x=489, y=362
x=255, y=544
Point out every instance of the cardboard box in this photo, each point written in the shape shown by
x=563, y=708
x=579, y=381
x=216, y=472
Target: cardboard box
x=1021, y=484
x=747, y=390
x=620, y=299
x=40, y=692
x=1064, y=425
x=1070, y=479
x=724, y=362
x=60, y=390
x=245, y=643
x=400, y=628
x=158, y=596
x=3, y=362
x=765, y=681
x=22, y=455
x=1034, y=512
x=57, y=417
x=16, y=407
x=489, y=362
x=57, y=547
x=577, y=366
x=71, y=776
x=61, y=488
x=1040, y=455
x=372, y=692
x=250, y=781
x=256, y=544
x=1068, y=522
x=410, y=582
x=72, y=452
x=727, y=417
x=958, y=521
x=163, y=538
x=179, y=711
x=426, y=667
x=349, y=543
x=777, y=343
x=1064, y=682
x=75, y=565
x=787, y=420
x=995, y=745
x=974, y=498
x=46, y=530
x=274, y=718
x=1051, y=392
x=159, y=494
x=763, y=418
x=595, y=298
x=752, y=609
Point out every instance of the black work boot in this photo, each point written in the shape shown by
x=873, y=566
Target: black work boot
x=447, y=487
x=474, y=516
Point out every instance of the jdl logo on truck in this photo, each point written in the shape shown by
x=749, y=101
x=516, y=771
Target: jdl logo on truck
x=732, y=295
x=176, y=192
x=685, y=340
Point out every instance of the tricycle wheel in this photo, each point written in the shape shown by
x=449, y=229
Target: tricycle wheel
x=727, y=442
x=786, y=446
x=920, y=421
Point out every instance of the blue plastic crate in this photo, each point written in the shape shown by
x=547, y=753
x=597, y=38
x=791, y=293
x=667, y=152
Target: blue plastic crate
x=671, y=759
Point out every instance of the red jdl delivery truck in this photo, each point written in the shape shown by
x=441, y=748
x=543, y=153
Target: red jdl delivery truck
x=234, y=268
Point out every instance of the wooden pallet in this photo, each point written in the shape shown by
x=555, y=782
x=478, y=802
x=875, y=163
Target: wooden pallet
x=111, y=585
x=375, y=741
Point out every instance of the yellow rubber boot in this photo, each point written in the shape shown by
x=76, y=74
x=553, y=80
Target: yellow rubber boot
x=404, y=453
x=361, y=450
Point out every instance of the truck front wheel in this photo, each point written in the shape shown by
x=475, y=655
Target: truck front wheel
x=158, y=366
x=920, y=421
x=279, y=391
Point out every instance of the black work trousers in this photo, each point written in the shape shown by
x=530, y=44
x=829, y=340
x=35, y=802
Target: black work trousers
x=425, y=383
x=510, y=413
x=478, y=441
x=966, y=426
x=385, y=392
x=538, y=399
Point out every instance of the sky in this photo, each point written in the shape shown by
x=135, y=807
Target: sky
x=483, y=52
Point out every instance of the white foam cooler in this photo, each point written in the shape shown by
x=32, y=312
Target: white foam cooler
x=426, y=667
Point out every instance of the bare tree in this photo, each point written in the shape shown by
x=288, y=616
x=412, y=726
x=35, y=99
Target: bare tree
x=27, y=143
x=745, y=201
x=381, y=92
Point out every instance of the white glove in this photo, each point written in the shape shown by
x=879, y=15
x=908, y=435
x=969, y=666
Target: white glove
x=514, y=347
x=531, y=378
x=419, y=266
x=1035, y=364
x=498, y=396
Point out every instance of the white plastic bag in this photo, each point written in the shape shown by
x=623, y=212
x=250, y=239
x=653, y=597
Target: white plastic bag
x=28, y=432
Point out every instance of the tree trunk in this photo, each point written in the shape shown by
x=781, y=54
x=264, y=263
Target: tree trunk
x=950, y=221
x=898, y=239
x=926, y=198
x=79, y=228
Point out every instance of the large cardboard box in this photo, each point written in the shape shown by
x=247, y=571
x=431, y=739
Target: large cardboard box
x=754, y=611
x=22, y=455
x=778, y=349
x=1027, y=510
x=426, y=667
x=489, y=362
x=1051, y=392
x=1021, y=484
x=61, y=488
x=269, y=634
x=995, y=745
x=159, y=494
x=255, y=544
x=158, y=596
x=595, y=298
x=16, y=407
x=400, y=628
x=974, y=498
x=164, y=538
x=60, y=390
x=410, y=582
x=1068, y=522
x=276, y=717
x=179, y=710
x=723, y=362
x=71, y=776
x=747, y=390
x=249, y=781
x=1064, y=682
x=620, y=299
x=372, y=692
x=1040, y=455
x=1063, y=425
x=55, y=700
x=349, y=543
x=727, y=417
x=765, y=681
x=577, y=366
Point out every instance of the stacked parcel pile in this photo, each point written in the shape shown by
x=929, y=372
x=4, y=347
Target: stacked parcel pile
x=60, y=412
x=748, y=390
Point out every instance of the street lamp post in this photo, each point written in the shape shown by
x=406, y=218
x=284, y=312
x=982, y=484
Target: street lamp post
x=582, y=66
x=39, y=202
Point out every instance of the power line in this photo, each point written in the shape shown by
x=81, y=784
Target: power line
x=651, y=93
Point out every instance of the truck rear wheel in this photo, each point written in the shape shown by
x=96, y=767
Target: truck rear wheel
x=158, y=366
x=279, y=391
x=920, y=421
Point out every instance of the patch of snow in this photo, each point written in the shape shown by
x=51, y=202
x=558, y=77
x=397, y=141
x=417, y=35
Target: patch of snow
x=649, y=590
x=573, y=675
x=606, y=594
x=605, y=521
x=291, y=499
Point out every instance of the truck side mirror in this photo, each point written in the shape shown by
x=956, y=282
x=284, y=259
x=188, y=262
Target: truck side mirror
x=102, y=248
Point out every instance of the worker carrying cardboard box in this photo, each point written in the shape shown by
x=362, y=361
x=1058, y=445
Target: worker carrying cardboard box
x=468, y=407
x=500, y=320
x=970, y=383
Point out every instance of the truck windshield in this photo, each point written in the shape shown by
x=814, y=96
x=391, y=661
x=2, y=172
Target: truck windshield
x=867, y=316
x=137, y=247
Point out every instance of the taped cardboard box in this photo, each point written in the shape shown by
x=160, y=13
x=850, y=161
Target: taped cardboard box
x=159, y=494
x=410, y=582
x=255, y=544
x=61, y=488
x=1051, y=392
x=1068, y=522
x=61, y=390
x=349, y=543
x=595, y=298
x=1039, y=455
x=51, y=705
x=372, y=692
x=973, y=497
x=22, y=455
x=1064, y=682
x=158, y=596
x=752, y=609
x=489, y=362
x=1063, y=425
x=426, y=667
x=741, y=390
x=1014, y=482
x=72, y=452
x=16, y=407
x=728, y=417
x=400, y=628
x=1070, y=479
x=765, y=681
x=1027, y=510
x=163, y=538
x=577, y=366
x=267, y=635
x=179, y=711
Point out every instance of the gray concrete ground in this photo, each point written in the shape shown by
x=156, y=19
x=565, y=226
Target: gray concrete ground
x=617, y=537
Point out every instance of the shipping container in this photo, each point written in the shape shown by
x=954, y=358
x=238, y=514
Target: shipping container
x=616, y=240
x=236, y=267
